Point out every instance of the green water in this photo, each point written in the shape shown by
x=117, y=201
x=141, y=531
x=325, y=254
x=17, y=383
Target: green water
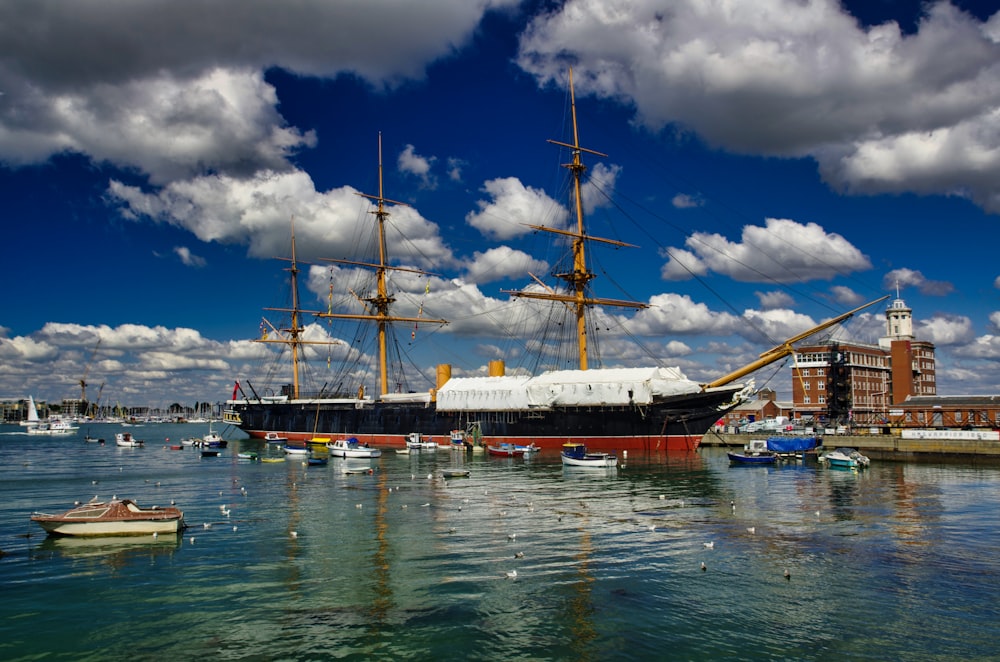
x=897, y=562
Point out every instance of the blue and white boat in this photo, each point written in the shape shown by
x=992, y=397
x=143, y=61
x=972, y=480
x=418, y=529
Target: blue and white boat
x=755, y=452
x=576, y=455
x=351, y=447
x=845, y=458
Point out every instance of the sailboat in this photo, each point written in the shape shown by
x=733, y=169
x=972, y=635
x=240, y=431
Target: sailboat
x=32, y=420
x=651, y=409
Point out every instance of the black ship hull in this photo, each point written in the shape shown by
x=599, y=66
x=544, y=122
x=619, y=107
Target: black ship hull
x=677, y=425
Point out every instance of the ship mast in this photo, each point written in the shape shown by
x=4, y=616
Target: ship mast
x=292, y=335
x=579, y=278
x=381, y=303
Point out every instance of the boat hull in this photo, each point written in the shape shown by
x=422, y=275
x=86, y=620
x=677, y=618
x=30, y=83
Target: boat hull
x=675, y=426
x=117, y=518
x=742, y=458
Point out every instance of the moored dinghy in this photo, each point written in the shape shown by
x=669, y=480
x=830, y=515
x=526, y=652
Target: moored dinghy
x=118, y=517
x=755, y=452
x=351, y=447
x=845, y=458
x=576, y=455
x=126, y=440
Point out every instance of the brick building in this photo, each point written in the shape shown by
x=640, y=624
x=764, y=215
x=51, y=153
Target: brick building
x=848, y=383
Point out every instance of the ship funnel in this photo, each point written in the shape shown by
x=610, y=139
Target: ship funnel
x=443, y=374
x=497, y=368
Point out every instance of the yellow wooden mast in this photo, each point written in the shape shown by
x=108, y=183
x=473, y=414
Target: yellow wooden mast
x=381, y=303
x=578, y=279
x=292, y=335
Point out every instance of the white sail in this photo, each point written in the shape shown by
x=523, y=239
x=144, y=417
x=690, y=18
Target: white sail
x=32, y=413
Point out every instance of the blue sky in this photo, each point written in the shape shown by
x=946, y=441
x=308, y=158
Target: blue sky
x=776, y=163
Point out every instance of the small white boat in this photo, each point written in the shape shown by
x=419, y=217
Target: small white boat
x=458, y=441
x=576, y=455
x=351, y=447
x=845, y=458
x=118, y=517
x=416, y=441
x=213, y=439
x=126, y=440
x=54, y=426
x=274, y=438
x=296, y=449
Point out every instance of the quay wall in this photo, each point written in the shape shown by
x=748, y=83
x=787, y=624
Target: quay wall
x=889, y=447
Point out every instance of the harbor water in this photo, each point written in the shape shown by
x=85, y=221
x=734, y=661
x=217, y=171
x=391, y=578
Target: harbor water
x=521, y=560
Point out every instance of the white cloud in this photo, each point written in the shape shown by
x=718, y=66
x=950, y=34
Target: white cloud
x=512, y=206
x=419, y=166
x=903, y=278
x=188, y=258
x=686, y=201
x=674, y=314
x=845, y=296
x=945, y=329
x=774, y=299
x=87, y=77
x=502, y=263
x=783, y=251
x=682, y=265
x=599, y=188
x=984, y=347
x=879, y=110
x=257, y=211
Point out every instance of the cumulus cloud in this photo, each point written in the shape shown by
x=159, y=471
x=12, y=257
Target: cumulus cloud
x=783, y=251
x=503, y=263
x=774, y=299
x=984, y=347
x=188, y=258
x=512, y=206
x=903, y=278
x=879, y=110
x=257, y=210
x=599, y=188
x=945, y=329
x=411, y=163
x=686, y=201
x=128, y=360
x=675, y=314
x=846, y=296
x=86, y=77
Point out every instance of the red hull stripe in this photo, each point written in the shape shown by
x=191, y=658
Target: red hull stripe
x=672, y=443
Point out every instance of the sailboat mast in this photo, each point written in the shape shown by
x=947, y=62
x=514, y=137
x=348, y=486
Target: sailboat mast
x=382, y=301
x=580, y=276
x=378, y=307
x=294, y=331
x=578, y=280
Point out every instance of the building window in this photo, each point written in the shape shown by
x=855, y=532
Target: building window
x=806, y=400
x=806, y=385
x=805, y=372
x=821, y=386
x=822, y=400
x=958, y=416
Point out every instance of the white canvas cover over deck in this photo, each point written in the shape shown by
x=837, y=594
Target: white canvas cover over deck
x=564, y=388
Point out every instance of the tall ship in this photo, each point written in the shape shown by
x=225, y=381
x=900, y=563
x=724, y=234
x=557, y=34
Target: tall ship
x=651, y=409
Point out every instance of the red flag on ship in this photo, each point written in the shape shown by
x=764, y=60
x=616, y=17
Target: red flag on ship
x=236, y=388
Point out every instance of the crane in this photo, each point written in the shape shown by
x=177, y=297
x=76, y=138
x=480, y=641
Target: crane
x=86, y=371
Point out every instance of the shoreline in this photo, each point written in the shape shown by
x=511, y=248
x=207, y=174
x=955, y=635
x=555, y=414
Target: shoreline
x=888, y=447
